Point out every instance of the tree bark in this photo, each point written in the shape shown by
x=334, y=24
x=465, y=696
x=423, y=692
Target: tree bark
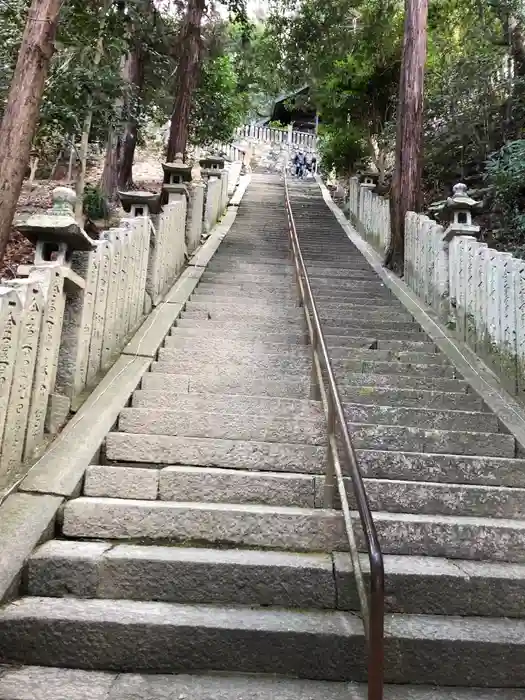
x=186, y=77
x=23, y=104
x=84, y=139
x=406, y=183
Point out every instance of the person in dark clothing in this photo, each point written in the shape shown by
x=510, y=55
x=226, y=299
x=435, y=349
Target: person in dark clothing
x=299, y=162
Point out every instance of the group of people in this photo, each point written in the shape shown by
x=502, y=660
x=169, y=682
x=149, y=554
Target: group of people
x=304, y=164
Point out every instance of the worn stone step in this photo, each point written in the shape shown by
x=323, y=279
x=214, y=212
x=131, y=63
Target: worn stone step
x=357, y=412
x=413, y=584
x=228, y=426
x=240, y=426
x=403, y=381
x=338, y=346
x=164, y=397
x=261, y=326
x=44, y=683
x=476, y=538
x=231, y=347
x=140, y=636
x=266, y=527
x=233, y=378
x=225, y=294
x=172, y=360
x=263, y=428
x=196, y=309
x=208, y=484
x=216, y=485
x=251, y=384
x=381, y=464
x=61, y=568
x=268, y=290
x=437, y=586
x=421, y=417
x=412, y=398
x=449, y=468
x=202, y=361
x=259, y=306
x=120, y=635
x=420, y=497
x=231, y=454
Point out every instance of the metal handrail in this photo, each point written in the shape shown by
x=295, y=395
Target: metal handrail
x=372, y=606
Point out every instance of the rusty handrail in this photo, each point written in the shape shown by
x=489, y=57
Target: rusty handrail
x=372, y=605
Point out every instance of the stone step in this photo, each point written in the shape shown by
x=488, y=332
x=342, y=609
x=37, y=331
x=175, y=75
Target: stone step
x=414, y=585
x=260, y=305
x=394, y=381
x=278, y=343
x=231, y=454
x=61, y=568
x=229, y=426
x=437, y=586
x=266, y=327
x=279, y=365
x=269, y=290
x=292, y=387
x=292, y=528
x=203, y=484
x=45, y=683
x=142, y=636
x=357, y=412
x=280, y=457
x=216, y=485
x=411, y=398
x=225, y=294
x=211, y=310
x=165, y=397
x=263, y=428
x=265, y=527
x=121, y=636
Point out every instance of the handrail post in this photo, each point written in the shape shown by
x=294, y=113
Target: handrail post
x=329, y=476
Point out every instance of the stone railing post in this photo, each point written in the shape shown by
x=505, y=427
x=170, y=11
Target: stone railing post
x=62, y=264
x=183, y=183
x=213, y=173
x=457, y=212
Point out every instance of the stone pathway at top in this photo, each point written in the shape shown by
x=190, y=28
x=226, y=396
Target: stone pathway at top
x=200, y=544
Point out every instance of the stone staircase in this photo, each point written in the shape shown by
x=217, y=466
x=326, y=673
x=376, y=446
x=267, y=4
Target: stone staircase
x=200, y=544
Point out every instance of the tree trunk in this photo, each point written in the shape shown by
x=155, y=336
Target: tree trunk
x=23, y=104
x=84, y=139
x=127, y=155
x=186, y=78
x=120, y=152
x=406, y=183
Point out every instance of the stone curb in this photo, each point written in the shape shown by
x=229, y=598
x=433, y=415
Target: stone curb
x=474, y=370
x=27, y=517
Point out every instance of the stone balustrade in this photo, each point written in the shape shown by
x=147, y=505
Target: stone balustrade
x=266, y=134
x=369, y=212
x=67, y=316
x=477, y=292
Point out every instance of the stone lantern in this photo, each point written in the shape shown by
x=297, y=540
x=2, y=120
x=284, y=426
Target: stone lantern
x=177, y=177
x=139, y=203
x=211, y=166
x=457, y=212
x=56, y=234
x=368, y=179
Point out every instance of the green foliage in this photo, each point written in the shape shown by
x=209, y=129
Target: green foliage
x=341, y=149
x=217, y=105
x=276, y=125
x=505, y=172
x=94, y=203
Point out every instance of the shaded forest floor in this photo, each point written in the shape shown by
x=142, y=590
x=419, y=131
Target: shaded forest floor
x=147, y=174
